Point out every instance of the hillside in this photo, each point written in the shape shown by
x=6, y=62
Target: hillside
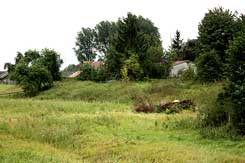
x=93, y=122
x=124, y=92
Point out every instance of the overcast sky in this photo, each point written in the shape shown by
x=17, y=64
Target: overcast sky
x=36, y=24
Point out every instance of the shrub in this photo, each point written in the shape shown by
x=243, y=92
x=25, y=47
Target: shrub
x=131, y=69
x=212, y=114
x=86, y=72
x=93, y=74
x=189, y=74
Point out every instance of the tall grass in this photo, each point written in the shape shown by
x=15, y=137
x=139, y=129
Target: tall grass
x=125, y=92
x=103, y=132
x=93, y=122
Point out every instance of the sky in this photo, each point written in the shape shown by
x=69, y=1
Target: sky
x=38, y=24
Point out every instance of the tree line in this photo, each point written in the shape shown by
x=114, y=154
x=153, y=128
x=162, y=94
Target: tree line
x=131, y=48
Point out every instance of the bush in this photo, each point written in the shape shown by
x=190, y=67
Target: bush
x=212, y=114
x=189, y=74
x=92, y=74
x=131, y=69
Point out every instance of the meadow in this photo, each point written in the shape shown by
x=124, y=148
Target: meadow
x=93, y=122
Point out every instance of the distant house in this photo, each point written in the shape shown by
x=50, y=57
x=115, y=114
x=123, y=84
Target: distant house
x=179, y=67
x=94, y=64
x=4, y=78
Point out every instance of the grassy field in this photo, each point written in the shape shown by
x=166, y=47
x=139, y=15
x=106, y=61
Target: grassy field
x=94, y=122
x=8, y=89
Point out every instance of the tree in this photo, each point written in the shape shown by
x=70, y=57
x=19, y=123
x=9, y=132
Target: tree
x=103, y=31
x=137, y=41
x=189, y=50
x=176, y=46
x=33, y=78
x=52, y=61
x=235, y=92
x=35, y=71
x=85, y=48
x=216, y=31
x=209, y=67
x=11, y=67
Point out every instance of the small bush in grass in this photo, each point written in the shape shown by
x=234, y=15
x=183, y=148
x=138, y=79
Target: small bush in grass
x=189, y=74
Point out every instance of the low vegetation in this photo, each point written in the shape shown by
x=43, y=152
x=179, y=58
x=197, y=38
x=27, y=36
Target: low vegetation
x=94, y=122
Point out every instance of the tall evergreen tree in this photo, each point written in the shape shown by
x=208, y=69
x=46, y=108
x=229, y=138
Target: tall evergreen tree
x=176, y=46
x=136, y=41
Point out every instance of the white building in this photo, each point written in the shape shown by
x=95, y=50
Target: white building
x=178, y=68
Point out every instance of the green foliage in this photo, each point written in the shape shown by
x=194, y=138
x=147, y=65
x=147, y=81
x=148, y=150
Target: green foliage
x=212, y=114
x=131, y=69
x=154, y=65
x=135, y=37
x=176, y=46
x=189, y=74
x=234, y=93
x=116, y=42
x=216, y=31
x=52, y=61
x=103, y=32
x=91, y=43
x=209, y=67
x=33, y=79
x=85, y=45
x=35, y=71
x=189, y=50
x=229, y=110
x=93, y=74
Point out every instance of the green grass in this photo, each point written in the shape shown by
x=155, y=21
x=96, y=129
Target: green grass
x=70, y=127
x=124, y=92
x=5, y=90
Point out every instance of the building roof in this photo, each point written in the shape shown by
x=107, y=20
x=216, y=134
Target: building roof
x=75, y=74
x=3, y=74
x=179, y=62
